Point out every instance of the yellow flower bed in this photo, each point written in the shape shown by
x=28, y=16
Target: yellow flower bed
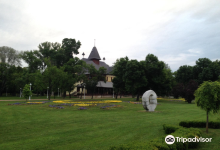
x=112, y=101
x=91, y=102
x=35, y=102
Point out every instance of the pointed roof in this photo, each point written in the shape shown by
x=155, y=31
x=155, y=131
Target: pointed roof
x=94, y=54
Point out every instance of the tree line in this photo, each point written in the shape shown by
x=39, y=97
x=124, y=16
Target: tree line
x=49, y=68
x=135, y=77
x=53, y=66
x=188, y=78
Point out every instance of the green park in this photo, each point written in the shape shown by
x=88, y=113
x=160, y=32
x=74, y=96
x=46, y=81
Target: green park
x=39, y=126
x=39, y=108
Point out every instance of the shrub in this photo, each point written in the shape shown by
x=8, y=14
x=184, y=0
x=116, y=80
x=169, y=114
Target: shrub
x=170, y=128
x=187, y=133
x=199, y=124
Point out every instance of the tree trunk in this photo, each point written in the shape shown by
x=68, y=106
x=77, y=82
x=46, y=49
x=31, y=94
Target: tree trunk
x=137, y=97
x=49, y=95
x=207, y=122
x=64, y=94
x=81, y=95
x=138, y=94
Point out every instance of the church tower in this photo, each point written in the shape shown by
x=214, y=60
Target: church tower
x=94, y=56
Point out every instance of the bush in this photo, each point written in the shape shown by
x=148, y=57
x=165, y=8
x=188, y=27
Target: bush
x=188, y=133
x=199, y=124
x=170, y=128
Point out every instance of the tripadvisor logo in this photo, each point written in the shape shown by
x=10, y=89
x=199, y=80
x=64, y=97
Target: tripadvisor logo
x=169, y=139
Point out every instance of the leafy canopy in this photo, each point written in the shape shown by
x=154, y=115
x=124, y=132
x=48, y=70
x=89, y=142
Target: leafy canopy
x=207, y=96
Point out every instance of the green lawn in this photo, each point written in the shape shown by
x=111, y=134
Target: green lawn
x=32, y=127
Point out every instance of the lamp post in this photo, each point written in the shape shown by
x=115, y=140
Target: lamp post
x=47, y=92
x=20, y=92
x=58, y=92
x=84, y=90
x=30, y=90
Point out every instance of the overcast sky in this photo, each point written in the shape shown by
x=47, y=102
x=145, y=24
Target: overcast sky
x=178, y=32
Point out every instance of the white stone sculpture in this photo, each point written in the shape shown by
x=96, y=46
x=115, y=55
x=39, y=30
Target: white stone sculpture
x=149, y=100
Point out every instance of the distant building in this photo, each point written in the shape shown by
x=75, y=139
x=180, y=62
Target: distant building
x=102, y=87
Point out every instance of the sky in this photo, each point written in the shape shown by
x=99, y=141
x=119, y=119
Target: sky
x=178, y=32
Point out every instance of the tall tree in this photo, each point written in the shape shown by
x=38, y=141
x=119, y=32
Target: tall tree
x=134, y=77
x=4, y=76
x=167, y=83
x=207, y=96
x=75, y=69
x=119, y=72
x=154, y=72
x=10, y=56
x=202, y=70
x=191, y=87
x=70, y=47
x=94, y=77
x=33, y=60
x=184, y=74
x=51, y=75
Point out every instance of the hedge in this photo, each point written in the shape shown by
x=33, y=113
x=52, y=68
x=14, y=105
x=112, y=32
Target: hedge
x=199, y=124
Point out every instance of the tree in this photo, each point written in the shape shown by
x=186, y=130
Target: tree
x=16, y=79
x=207, y=96
x=7, y=78
x=119, y=72
x=51, y=76
x=117, y=84
x=94, y=77
x=167, y=82
x=70, y=47
x=191, y=87
x=75, y=69
x=26, y=91
x=10, y=56
x=134, y=77
x=155, y=73
x=39, y=84
x=202, y=71
x=4, y=76
x=179, y=90
x=184, y=74
x=33, y=60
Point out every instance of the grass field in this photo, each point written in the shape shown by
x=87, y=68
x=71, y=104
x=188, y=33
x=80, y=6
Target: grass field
x=33, y=127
